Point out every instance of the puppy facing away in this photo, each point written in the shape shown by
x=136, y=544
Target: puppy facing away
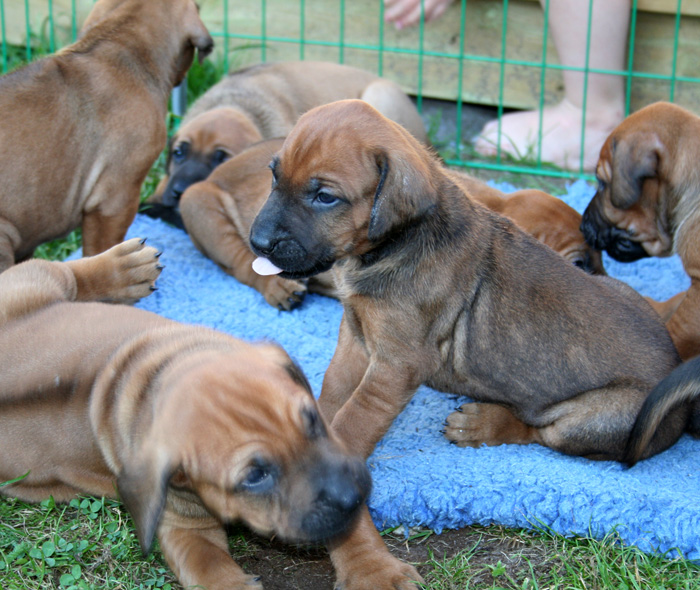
x=81, y=128
x=648, y=204
x=437, y=289
x=263, y=102
x=540, y=214
x=218, y=212
x=191, y=427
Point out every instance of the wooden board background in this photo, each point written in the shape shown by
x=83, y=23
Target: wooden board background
x=314, y=32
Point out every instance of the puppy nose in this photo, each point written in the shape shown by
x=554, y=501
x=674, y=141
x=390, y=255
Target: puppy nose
x=344, y=487
x=261, y=244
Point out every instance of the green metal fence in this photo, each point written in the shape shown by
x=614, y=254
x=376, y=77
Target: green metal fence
x=494, y=53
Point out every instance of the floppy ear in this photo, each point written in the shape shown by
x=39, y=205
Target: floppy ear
x=143, y=487
x=635, y=159
x=404, y=193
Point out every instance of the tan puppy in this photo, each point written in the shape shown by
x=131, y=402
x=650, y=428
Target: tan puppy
x=81, y=128
x=648, y=204
x=218, y=212
x=264, y=102
x=191, y=427
x=439, y=290
x=540, y=214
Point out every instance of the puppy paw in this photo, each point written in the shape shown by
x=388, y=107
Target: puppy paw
x=391, y=574
x=284, y=294
x=123, y=274
x=476, y=424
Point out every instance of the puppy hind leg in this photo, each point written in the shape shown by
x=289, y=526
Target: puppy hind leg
x=31, y=285
x=597, y=424
x=393, y=103
x=123, y=274
x=197, y=551
x=477, y=424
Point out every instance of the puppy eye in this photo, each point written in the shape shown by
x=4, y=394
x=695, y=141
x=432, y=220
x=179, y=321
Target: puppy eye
x=180, y=151
x=219, y=156
x=259, y=479
x=325, y=198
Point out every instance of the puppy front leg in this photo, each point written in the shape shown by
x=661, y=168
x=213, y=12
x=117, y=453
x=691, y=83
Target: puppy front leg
x=104, y=228
x=196, y=549
x=381, y=395
x=345, y=372
x=684, y=323
x=363, y=562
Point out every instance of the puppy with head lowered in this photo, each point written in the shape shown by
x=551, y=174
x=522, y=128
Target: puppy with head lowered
x=218, y=212
x=263, y=102
x=190, y=427
x=648, y=204
x=437, y=289
x=81, y=128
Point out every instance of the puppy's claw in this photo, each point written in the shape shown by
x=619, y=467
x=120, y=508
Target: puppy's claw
x=153, y=288
x=142, y=241
x=158, y=254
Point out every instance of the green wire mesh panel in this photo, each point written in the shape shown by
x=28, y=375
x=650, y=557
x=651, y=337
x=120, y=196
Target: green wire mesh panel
x=494, y=53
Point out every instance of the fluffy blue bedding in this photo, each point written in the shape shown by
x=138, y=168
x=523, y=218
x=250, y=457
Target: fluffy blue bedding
x=419, y=478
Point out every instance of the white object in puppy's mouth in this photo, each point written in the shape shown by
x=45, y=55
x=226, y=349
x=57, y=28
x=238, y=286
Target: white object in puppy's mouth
x=264, y=267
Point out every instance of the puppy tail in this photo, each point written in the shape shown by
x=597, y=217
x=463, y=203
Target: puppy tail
x=682, y=386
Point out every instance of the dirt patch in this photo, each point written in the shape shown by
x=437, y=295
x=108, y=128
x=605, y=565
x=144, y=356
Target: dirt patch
x=491, y=551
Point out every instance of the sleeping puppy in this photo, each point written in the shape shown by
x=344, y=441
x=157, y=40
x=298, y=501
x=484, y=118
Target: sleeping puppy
x=191, y=427
x=438, y=290
x=648, y=204
x=263, y=102
x=543, y=216
x=80, y=129
x=218, y=212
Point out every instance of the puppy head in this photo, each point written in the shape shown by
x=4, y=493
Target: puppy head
x=345, y=179
x=555, y=224
x=193, y=35
x=241, y=430
x=628, y=217
x=199, y=146
x=178, y=18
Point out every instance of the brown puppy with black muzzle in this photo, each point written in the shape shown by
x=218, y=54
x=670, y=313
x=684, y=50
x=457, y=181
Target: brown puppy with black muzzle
x=95, y=113
x=648, y=204
x=191, y=427
x=437, y=289
x=540, y=214
x=263, y=102
x=218, y=212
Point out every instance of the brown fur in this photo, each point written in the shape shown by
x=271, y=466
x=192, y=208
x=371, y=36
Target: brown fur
x=648, y=204
x=540, y=214
x=263, y=102
x=218, y=212
x=81, y=128
x=191, y=427
x=437, y=289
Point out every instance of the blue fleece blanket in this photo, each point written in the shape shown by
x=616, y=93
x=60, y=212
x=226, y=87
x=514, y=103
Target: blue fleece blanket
x=419, y=478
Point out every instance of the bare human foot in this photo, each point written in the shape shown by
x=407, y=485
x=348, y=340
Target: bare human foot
x=562, y=128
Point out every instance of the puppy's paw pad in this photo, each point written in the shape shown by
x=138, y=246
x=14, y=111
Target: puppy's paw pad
x=284, y=294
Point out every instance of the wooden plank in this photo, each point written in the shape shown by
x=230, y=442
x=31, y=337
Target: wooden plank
x=353, y=32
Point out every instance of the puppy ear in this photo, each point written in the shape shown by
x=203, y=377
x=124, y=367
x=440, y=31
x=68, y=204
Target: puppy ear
x=634, y=160
x=143, y=487
x=404, y=193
